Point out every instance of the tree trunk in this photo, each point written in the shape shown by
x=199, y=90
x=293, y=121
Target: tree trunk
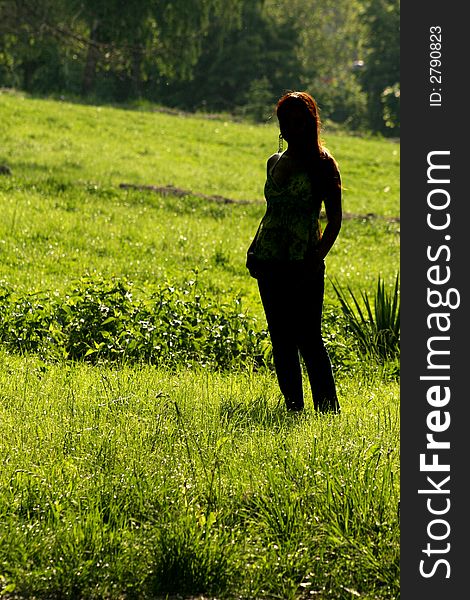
x=136, y=72
x=89, y=72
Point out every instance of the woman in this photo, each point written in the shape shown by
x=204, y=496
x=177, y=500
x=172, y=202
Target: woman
x=287, y=254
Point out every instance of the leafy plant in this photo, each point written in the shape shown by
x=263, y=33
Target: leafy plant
x=376, y=323
x=102, y=320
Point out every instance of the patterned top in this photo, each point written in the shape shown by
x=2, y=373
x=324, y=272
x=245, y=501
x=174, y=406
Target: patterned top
x=290, y=227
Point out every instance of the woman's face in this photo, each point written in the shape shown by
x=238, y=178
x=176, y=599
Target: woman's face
x=294, y=124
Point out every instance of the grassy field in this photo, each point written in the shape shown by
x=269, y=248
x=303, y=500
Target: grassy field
x=133, y=479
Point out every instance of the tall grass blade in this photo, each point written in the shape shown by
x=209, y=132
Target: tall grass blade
x=376, y=323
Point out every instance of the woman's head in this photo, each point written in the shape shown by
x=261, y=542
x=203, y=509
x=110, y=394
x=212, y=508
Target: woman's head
x=299, y=119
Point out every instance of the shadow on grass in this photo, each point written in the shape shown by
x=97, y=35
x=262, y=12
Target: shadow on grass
x=260, y=413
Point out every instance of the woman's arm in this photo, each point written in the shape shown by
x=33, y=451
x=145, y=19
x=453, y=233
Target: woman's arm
x=334, y=214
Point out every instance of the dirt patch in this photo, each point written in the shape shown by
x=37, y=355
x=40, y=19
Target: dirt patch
x=171, y=190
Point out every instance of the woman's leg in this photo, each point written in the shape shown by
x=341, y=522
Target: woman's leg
x=320, y=374
x=310, y=342
x=277, y=303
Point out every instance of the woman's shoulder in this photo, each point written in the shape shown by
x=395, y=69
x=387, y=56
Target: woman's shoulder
x=327, y=156
x=272, y=160
x=329, y=161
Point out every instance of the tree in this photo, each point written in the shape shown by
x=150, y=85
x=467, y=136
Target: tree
x=112, y=40
x=149, y=37
x=242, y=69
x=230, y=55
x=29, y=56
x=329, y=43
x=381, y=75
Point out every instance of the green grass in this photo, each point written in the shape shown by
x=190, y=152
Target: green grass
x=135, y=481
x=128, y=479
x=106, y=146
x=62, y=220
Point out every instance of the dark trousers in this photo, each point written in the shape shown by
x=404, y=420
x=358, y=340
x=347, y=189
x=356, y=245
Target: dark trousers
x=292, y=298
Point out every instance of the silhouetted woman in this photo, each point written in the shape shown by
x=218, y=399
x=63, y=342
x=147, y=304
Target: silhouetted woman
x=288, y=251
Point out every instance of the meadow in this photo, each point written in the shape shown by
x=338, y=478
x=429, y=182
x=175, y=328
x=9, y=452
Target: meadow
x=147, y=454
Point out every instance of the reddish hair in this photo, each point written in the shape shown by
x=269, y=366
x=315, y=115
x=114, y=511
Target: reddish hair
x=308, y=103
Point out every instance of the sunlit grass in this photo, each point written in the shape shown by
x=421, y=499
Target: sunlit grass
x=107, y=472
x=64, y=214
x=107, y=146
x=140, y=482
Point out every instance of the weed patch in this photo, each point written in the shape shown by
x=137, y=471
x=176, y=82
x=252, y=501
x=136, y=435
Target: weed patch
x=101, y=320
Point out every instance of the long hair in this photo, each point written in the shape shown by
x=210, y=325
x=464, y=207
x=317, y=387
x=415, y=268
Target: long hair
x=308, y=103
